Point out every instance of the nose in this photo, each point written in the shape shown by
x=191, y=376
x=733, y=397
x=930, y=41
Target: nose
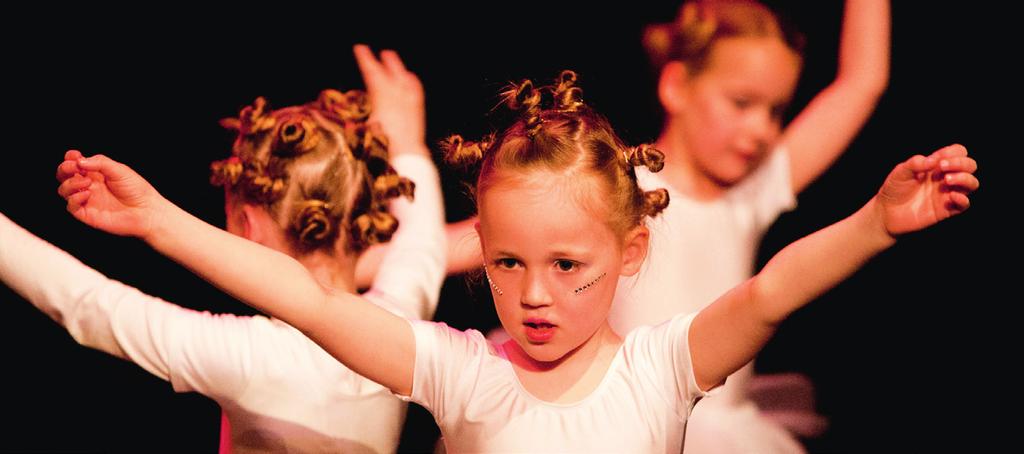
x=536, y=292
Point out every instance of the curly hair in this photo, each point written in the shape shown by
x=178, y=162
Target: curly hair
x=555, y=130
x=319, y=169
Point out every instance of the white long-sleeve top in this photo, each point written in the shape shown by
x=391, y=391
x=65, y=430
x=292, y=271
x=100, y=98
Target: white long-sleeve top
x=280, y=391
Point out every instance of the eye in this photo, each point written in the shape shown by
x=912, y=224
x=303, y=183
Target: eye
x=566, y=265
x=777, y=112
x=742, y=102
x=506, y=263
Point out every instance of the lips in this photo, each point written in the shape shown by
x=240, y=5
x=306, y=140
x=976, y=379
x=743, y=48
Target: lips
x=539, y=330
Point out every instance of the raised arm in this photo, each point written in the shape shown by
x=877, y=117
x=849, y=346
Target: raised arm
x=412, y=263
x=917, y=193
x=826, y=126
x=398, y=104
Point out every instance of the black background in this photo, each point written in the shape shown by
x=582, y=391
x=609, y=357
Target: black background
x=906, y=354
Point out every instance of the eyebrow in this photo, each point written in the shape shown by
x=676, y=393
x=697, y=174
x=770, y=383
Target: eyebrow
x=506, y=254
x=556, y=254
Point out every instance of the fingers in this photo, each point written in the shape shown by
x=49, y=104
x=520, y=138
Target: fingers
x=109, y=168
x=77, y=200
x=961, y=181
x=72, y=155
x=367, y=62
x=73, y=185
x=392, y=62
x=370, y=66
x=950, y=151
x=958, y=202
x=958, y=164
x=68, y=169
x=914, y=167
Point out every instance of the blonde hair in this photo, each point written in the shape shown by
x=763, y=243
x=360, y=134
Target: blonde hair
x=319, y=169
x=701, y=23
x=568, y=138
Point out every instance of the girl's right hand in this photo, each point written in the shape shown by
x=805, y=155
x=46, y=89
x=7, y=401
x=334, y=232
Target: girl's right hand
x=397, y=98
x=108, y=195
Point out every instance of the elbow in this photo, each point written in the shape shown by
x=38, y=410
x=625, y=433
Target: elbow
x=765, y=301
x=869, y=84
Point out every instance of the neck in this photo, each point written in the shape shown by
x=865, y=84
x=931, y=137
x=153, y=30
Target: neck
x=681, y=169
x=572, y=377
x=332, y=271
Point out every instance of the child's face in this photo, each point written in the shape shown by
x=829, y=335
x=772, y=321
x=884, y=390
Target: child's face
x=553, y=263
x=733, y=108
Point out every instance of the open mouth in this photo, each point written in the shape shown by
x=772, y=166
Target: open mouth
x=539, y=330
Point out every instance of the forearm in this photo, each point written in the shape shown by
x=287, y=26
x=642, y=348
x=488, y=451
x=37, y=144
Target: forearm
x=58, y=285
x=97, y=311
x=728, y=334
x=825, y=127
x=864, y=46
x=464, y=252
x=811, y=266
x=412, y=263
x=371, y=341
x=259, y=276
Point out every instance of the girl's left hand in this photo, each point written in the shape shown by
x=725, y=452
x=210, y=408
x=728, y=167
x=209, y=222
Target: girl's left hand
x=922, y=191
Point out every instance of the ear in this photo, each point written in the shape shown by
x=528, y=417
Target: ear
x=479, y=236
x=672, y=84
x=252, y=229
x=634, y=249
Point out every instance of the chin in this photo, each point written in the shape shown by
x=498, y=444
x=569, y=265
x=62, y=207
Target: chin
x=545, y=352
x=731, y=177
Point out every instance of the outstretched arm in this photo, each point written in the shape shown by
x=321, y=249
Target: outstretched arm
x=179, y=345
x=917, y=193
x=370, y=340
x=108, y=195
x=825, y=128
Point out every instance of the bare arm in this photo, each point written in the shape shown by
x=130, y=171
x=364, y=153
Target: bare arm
x=918, y=193
x=825, y=128
x=370, y=340
x=463, y=252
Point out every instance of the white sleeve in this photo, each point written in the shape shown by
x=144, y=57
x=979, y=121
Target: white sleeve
x=667, y=348
x=195, y=351
x=448, y=361
x=769, y=190
x=411, y=273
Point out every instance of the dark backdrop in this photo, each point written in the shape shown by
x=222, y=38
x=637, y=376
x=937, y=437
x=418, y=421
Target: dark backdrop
x=905, y=354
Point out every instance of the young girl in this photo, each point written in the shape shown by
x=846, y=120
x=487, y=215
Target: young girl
x=310, y=181
x=561, y=216
x=727, y=71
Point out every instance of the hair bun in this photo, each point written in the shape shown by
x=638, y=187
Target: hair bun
x=372, y=228
x=392, y=185
x=655, y=201
x=313, y=224
x=647, y=156
x=297, y=135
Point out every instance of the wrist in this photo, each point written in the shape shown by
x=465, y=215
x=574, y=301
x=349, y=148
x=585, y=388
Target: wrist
x=408, y=148
x=158, y=222
x=872, y=217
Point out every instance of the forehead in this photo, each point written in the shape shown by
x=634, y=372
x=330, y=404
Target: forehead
x=541, y=209
x=761, y=62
